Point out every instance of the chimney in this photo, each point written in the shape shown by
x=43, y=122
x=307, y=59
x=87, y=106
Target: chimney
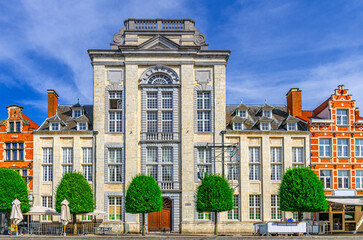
x=52, y=102
x=293, y=99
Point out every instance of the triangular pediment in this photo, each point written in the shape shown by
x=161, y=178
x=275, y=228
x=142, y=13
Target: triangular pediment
x=159, y=42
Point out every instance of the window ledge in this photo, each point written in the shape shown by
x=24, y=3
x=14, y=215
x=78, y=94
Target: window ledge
x=324, y=157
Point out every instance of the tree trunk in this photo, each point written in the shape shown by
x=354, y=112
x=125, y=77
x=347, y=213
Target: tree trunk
x=143, y=224
x=299, y=216
x=215, y=223
x=74, y=224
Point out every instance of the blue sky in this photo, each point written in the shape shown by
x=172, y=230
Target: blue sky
x=276, y=45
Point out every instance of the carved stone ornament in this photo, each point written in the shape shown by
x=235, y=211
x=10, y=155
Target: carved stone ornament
x=2, y=122
x=161, y=70
x=199, y=39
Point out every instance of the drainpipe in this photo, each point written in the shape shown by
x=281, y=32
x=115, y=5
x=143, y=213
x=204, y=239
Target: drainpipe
x=95, y=166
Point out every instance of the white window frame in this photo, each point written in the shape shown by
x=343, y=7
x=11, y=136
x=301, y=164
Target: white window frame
x=237, y=126
x=359, y=179
x=47, y=165
x=76, y=113
x=298, y=155
x=152, y=121
x=291, y=126
x=115, y=121
x=324, y=148
x=204, y=117
x=276, y=213
x=242, y=113
x=276, y=172
x=82, y=126
x=232, y=171
x=342, y=149
x=326, y=178
x=204, y=121
x=358, y=147
x=167, y=100
x=343, y=180
x=47, y=201
x=204, y=216
x=255, y=207
x=234, y=213
x=152, y=170
x=265, y=126
x=267, y=113
x=115, y=165
x=54, y=126
x=204, y=161
x=167, y=121
x=342, y=116
x=116, y=204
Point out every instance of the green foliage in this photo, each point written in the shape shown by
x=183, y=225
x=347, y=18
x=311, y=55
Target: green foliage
x=12, y=186
x=302, y=191
x=75, y=188
x=214, y=194
x=143, y=195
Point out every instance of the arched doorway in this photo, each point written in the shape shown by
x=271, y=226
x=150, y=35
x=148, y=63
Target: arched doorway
x=161, y=221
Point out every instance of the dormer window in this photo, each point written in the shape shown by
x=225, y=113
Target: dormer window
x=342, y=117
x=54, y=126
x=291, y=126
x=82, y=126
x=77, y=113
x=237, y=126
x=242, y=113
x=265, y=126
x=267, y=113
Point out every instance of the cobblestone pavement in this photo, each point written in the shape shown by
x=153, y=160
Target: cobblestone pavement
x=195, y=237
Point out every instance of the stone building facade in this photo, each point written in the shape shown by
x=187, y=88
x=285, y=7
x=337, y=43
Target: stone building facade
x=269, y=142
x=16, y=144
x=159, y=95
x=336, y=154
x=64, y=142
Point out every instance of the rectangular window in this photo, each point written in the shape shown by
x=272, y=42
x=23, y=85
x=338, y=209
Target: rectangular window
x=265, y=126
x=166, y=173
x=86, y=218
x=267, y=113
x=115, y=121
x=342, y=147
x=47, y=173
x=152, y=154
x=167, y=121
x=325, y=177
x=87, y=172
x=115, y=100
x=359, y=147
x=114, y=208
x=152, y=121
x=232, y=172
x=167, y=154
x=254, y=172
x=81, y=126
x=204, y=121
x=297, y=155
x=292, y=126
x=47, y=201
x=276, y=213
x=86, y=155
x=54, y=126
x=237, y=126
x=204, y=162
x=12, y=127
x=204, y=216
x=325, y=147
x=167, y=100
x=114, y=165
x=242, y=113
x=67, y=169
x=276, y=154
x=276, y=172
x=254, y=155
x=255, y=207
x=47, y=155
x=234, y=213
x=68, y=155
x=77, y=113
x=152, y=100
x=152, y=170
x=18, y=126
x=342, y=117
x=203, y=100
x=359, y=178
x=14, y=151
x=343, y=179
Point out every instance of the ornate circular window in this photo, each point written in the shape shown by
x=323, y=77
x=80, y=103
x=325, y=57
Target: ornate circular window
x=159, y=79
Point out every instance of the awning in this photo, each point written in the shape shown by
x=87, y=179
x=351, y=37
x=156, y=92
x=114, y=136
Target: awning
x=347, y=201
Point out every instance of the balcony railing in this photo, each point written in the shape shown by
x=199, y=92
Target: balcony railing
x=159, y=24
x=166, y=185
x=159, y=136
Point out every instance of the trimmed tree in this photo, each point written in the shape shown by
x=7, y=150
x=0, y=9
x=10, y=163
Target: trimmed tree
x=75, y=188
x=302, y=191
x=12, y=186
x=143, y=196
x=214, y=195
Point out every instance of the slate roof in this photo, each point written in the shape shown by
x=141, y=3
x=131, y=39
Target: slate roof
x=68, y=123
x=279, y=118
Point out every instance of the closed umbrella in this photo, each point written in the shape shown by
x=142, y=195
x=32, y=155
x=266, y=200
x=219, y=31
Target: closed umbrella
x=65, y=214
x=16, y=215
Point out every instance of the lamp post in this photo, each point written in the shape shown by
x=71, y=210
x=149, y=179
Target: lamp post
x=222, y=133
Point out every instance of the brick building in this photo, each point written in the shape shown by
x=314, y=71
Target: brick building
x=16, y=143
x=336, y=154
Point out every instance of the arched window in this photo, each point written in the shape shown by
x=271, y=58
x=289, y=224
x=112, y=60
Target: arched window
x=159, y=79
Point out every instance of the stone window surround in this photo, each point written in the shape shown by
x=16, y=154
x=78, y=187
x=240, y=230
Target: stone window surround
x=114, y=194
x=112, y=146
x=196, y=146
x=205, y=88
x=114, y=88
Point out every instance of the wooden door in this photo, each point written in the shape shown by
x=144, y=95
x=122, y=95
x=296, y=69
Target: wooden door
x=161, y=221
